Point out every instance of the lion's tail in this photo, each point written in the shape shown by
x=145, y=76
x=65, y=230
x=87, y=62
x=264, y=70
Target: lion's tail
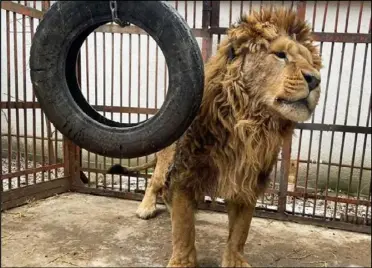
x=118, y=169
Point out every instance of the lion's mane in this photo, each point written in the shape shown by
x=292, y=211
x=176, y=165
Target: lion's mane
x=232, y=145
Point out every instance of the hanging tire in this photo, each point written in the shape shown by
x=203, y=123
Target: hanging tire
x=53, y=56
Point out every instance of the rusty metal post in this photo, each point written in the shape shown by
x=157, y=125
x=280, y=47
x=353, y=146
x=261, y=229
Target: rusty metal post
x=72, y=152
x=206, y=23
x=287, y=144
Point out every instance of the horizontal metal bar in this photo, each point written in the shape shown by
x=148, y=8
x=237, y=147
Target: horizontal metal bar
x=30, y=171
x=319, y=36
x=20, y=196
x=329, y=198
x=335, y=128
x=113, y=28
x=31, y=137
x=21, y=9
x=118, y=109
x=19, y=105
x=100, y=108
x=310, y=161
x=102, y=171
x=259, y=212
x=342, y=37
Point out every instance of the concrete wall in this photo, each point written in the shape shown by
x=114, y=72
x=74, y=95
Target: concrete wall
x=144, y=83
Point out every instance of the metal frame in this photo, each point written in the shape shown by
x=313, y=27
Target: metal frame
x=77, y=178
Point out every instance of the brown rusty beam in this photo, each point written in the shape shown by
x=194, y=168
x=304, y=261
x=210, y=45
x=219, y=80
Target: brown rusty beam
x=332, y=164
x=284, y=173
x=32, y=189
x=21, y=9
x=118, y=109
x=19, y=105
x=319, y=36
x=113, y=28
x=30, y=171
x=335, y=128
x=259, y=212
x=342, y=37
x=330, y=198
x=21, y=196
x=100, y=108
x=102, y=171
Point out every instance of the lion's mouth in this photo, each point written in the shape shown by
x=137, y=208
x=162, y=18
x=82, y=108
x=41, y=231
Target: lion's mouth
x=300, y=102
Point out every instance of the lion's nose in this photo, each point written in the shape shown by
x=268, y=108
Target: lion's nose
x=311, y=80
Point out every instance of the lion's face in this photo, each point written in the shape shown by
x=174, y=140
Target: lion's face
x=289, y=78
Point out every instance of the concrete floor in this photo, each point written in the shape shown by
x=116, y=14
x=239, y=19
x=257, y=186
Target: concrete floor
x=82, y=230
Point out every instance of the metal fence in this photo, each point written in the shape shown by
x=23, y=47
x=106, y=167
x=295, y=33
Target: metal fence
x=323, y=175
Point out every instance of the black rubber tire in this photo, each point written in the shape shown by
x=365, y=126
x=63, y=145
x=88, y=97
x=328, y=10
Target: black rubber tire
x=54, y=50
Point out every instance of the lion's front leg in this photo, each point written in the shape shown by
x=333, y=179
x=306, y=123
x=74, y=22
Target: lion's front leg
x=240, y=217
x=183, y=230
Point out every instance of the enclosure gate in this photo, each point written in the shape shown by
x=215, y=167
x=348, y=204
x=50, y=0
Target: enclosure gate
x=286, y=199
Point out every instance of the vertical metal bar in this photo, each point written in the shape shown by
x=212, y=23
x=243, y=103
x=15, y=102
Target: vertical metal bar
x=88, y=94
x=24, y=93
x=104, y=98
x=347, y=113
x=241, y=8
x=213, y=15
x=335, y=115
x=96, y=93
x=287, y=145
x=324, y=104
x=138, y=92
x=9, y=97
x=130, y=92
x=15, y=39
x=156, y=75
x=206, y=22
x=361, y=172
x=147, y=87
x=121, y=98
x=358, y=123
x=194, y=15
x=274, y=182
x=313, y=119
x=185, y=11
x=50, y=154
x=33, y=108
x=74, y=149
x=165, y=79
x=297, y=169
x=112, y=93
x=301, y=9
x=361, y=169
x=230, y=12
x=284, y=172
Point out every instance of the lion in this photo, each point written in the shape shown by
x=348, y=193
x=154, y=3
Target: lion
x=264, y=77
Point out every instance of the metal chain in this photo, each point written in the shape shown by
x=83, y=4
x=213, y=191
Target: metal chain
x=114, y=13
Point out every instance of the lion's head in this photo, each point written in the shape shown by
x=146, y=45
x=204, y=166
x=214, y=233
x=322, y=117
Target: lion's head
x=274, y=61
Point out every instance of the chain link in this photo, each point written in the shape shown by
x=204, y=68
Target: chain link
x=114, y=13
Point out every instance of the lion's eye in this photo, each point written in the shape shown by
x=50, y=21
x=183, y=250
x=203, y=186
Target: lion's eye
x=281, y=55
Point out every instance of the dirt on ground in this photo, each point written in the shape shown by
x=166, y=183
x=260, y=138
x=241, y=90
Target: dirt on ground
x=77, y=230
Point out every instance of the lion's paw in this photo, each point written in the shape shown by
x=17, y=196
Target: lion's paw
x=234, y=260
x=145, y=213
x=180, y=263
